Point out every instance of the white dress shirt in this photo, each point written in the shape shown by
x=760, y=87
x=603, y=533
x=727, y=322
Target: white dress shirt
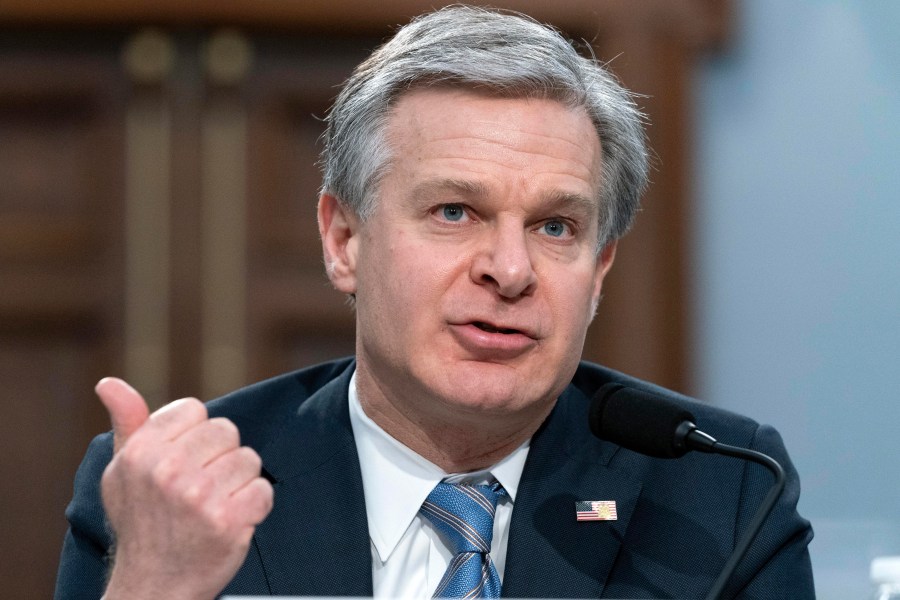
x=409, y=558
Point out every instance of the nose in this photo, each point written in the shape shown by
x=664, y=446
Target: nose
x=504, y=262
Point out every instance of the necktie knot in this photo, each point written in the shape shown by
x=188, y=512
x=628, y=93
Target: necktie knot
x=464, y=514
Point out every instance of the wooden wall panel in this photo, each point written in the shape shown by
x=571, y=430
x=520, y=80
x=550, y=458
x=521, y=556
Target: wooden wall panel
x=60, y=292
x=296, y=317
x=47, y=422
x=642, y=325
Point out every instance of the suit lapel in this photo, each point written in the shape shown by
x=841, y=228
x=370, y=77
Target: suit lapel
x=312, y=460
x=551, y=554
x=316, y=539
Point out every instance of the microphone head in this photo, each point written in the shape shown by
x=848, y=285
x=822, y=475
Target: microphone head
x=640, y=421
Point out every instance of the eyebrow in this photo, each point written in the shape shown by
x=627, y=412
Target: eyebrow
x=474, y=189
x=585, y=204
x=462, y=187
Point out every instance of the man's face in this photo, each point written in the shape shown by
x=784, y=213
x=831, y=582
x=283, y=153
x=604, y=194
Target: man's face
x=477, y=275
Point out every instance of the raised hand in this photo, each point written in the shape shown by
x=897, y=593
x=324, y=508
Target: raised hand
x=182, y=495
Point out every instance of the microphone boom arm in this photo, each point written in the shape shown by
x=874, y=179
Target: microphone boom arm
x=645, y=422
x=697, y=440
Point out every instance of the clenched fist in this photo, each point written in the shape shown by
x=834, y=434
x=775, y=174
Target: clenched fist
x=182, y=495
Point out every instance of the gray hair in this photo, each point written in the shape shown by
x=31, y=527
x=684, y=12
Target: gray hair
x=505, y=53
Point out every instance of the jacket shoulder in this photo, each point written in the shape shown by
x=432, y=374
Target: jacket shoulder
x=260, y=409
x=261, y=400
x=725, y=425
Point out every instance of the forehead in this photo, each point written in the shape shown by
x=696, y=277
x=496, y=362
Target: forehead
x=461, y=134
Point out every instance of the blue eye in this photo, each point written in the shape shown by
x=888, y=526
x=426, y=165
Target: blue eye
x=453, y=212
x=554, y=228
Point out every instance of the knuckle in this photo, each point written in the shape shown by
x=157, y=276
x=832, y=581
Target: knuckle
x=265, y=496
x=215, y=518
x=250, y=458
x=132, y=460
x=217, y=522
x=226, y=429
x=194, y=408
x=194, y=493
x=255, y=501
x=125, y=461
x=188, y=410
x=165, y=472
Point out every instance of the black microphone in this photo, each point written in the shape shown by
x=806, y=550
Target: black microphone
x=651, y=424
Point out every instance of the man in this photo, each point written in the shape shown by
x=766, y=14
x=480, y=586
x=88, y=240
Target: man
x=478, y=173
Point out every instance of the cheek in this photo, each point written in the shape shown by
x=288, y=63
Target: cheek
x=404, y=277
x=572, y=300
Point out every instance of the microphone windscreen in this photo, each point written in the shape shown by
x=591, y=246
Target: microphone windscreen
x=638, y=420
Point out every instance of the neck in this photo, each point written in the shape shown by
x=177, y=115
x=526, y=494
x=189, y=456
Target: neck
x=454, y=450
x=457, y=443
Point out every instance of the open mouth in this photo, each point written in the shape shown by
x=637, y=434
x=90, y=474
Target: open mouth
x=491, y=329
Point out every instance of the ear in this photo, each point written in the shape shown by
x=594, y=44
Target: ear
x=339, y=229
x=604, y=264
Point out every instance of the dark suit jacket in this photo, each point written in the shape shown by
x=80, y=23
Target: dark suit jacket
x=678, y=520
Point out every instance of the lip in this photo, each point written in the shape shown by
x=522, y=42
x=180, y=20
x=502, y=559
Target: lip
x=505, y=343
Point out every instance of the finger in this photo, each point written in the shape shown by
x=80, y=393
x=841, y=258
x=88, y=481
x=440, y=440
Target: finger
x=235, y=469
x=176, y=418
x=253, y=501
x=126, y=407
x=207, y=440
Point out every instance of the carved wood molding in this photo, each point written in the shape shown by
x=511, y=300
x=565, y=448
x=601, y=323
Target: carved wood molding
x=702, y=23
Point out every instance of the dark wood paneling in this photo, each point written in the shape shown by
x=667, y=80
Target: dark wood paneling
x=48, y=418
x=60, y=290
x=699, y=22
x=296, y=317
x=642, y=325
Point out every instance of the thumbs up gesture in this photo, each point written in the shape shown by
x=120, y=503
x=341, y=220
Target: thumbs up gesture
x=182, y=495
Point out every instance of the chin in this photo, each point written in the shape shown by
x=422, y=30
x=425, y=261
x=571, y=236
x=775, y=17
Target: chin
x=490, y=388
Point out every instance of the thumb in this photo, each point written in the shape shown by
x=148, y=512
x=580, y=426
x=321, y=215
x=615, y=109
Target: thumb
x=127, y=408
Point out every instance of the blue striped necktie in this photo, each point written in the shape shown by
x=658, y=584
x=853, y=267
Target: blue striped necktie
x=464, y=514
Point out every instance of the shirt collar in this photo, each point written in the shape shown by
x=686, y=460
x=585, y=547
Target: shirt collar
x=387, y=466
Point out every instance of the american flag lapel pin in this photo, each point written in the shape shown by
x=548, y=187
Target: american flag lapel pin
x=595, y=510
